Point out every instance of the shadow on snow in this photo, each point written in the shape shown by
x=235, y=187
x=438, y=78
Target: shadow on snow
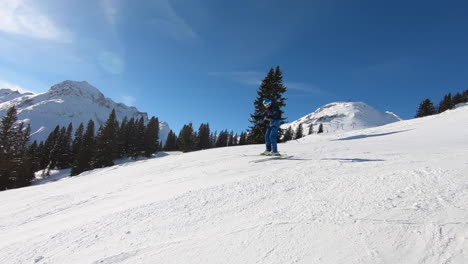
x=371, y=135
x=353, y=160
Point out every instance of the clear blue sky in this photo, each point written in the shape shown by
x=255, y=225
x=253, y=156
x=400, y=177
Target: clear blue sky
x=202, y=60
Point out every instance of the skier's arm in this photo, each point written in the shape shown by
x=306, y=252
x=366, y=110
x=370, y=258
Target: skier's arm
x=258, y=117
x=275, y=113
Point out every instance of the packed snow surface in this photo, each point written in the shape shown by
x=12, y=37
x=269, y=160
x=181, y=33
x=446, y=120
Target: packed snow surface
x=390, y=194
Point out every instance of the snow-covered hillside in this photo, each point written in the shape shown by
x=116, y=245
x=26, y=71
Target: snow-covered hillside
x=343, y=116
x=391, y=194
x=8, y=94
x=66, y=102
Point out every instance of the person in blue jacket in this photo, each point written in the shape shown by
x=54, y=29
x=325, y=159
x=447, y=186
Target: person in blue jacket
x=272, y=114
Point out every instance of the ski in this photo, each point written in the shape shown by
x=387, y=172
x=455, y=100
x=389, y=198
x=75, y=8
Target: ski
x=262, y=155
x=268, y=158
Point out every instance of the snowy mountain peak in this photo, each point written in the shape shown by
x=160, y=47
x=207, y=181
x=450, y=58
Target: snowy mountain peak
x=73, y=88
x=344, y=116
x=68, y=102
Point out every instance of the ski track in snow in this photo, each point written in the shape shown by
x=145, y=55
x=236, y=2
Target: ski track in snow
x=391, y=194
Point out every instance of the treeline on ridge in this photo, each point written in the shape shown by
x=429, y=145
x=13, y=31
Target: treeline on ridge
x=427, y=107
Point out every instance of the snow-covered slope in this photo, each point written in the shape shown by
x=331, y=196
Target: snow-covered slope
x=8, y=94
x=343, y=116
x=66, y=102
x=391, y=194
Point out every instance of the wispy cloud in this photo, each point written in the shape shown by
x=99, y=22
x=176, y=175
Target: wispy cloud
x=111, y=10
x=169, y=21
x=245, y=77
x=14, y=87
x=255, y=78
x=23, y=18
x=303, y=87
x=111, y=62
x=128, y=100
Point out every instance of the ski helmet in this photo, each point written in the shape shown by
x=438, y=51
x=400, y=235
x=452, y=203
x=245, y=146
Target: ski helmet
x=267, y=102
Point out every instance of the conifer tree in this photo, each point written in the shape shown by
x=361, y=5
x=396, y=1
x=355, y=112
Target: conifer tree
x=129, y=144
x=33, y=151
x=230, y=139
x=272, y=88
x=122, y=138
x=204, y=133
x=465, y=96
x=171, y=142
x=25, y=169
x=235, y=140
x=64, y=147
x=106, y=148
x=457, y=99
x=311, y=129
x=213, y=138
x=67, y=146
x=151, y=137
x=85, y=153
x=446, y=103
x=15, y=164
x=299, y=132
x=137, y=138
x=426, y=108
x=320, y=129
x=52, y=151
x=136, y=132
x=287, y=135
x=242, y=139
x=39, y=154
x=78, y=139
x=186, y=139
x=23, y=161
x=222, y=140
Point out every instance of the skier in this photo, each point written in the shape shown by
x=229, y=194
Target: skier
x=272, y=114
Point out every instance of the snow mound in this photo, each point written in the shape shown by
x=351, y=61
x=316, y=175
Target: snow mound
x=343, y=116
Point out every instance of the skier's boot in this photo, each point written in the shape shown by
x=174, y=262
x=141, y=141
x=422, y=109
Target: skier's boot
x=275, y=154
x=266, y=153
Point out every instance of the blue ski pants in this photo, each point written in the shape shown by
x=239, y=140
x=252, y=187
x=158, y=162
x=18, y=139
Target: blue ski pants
x=271, y=136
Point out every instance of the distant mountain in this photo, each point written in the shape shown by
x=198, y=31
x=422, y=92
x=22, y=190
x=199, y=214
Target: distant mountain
x=343, y=116
x=66, y=102
x=7, y=95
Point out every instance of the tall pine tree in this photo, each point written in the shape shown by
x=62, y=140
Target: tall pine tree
x=299, y=132
x=287, y=135
x=84, y=157
x=272, y=88
x=15, y=163
x=186, y=140
x=106, y=148
x=426, y=108
x=204, y=137
x=320, y=129
x=446, y=103
x=242, y=139
x=311, y=129
x=76, y=144
x=222, y=140
x=171, y=142
x=151, y=137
